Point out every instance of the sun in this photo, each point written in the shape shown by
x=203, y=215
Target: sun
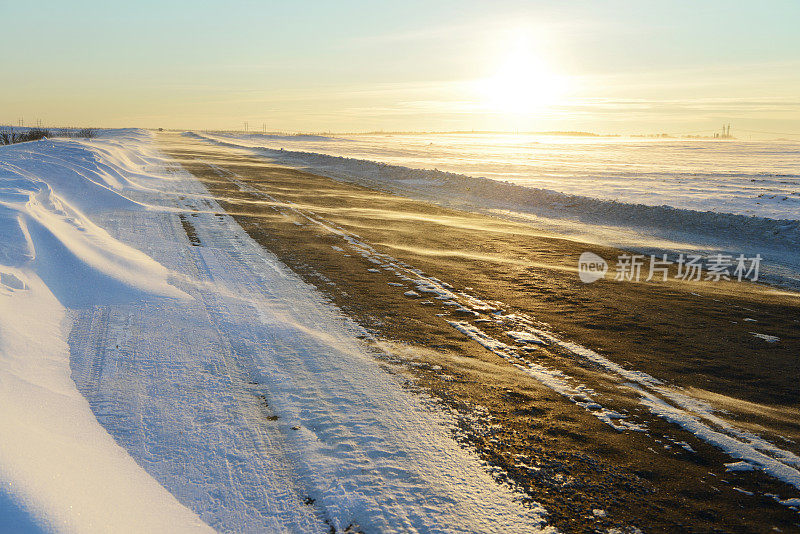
x=522, y=83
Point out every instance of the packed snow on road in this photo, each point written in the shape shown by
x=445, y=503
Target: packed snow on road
x=160, y=371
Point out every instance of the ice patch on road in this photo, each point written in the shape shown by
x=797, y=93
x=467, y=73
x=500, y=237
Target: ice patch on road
x=739, y=466
x=525, y=337
x=766, y=337
x=780, y=464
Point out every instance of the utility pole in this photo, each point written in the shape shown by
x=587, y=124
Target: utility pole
x=245, y=126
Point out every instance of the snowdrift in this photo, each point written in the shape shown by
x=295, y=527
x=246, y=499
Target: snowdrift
x=59, y=469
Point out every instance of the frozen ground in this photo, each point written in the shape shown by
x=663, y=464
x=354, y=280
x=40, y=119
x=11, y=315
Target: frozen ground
x=690, y=196
x=215, y=390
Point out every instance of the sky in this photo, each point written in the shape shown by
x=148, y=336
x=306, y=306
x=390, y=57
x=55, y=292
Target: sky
x=352, y=65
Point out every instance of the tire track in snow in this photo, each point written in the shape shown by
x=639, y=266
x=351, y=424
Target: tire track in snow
x=185, y=398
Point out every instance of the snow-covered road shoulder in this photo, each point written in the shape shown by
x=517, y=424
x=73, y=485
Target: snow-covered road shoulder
x=59, y=468
x=222, y=391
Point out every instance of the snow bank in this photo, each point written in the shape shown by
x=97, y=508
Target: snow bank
x=493, y=194
x=46, y=189
x=59, y=469
x=288, y=137
x=742, y=177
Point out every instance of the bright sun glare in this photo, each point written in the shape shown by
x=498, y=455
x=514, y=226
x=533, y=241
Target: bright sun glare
x=523, y=82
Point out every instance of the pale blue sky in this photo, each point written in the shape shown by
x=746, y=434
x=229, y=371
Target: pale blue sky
x=615, y=66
